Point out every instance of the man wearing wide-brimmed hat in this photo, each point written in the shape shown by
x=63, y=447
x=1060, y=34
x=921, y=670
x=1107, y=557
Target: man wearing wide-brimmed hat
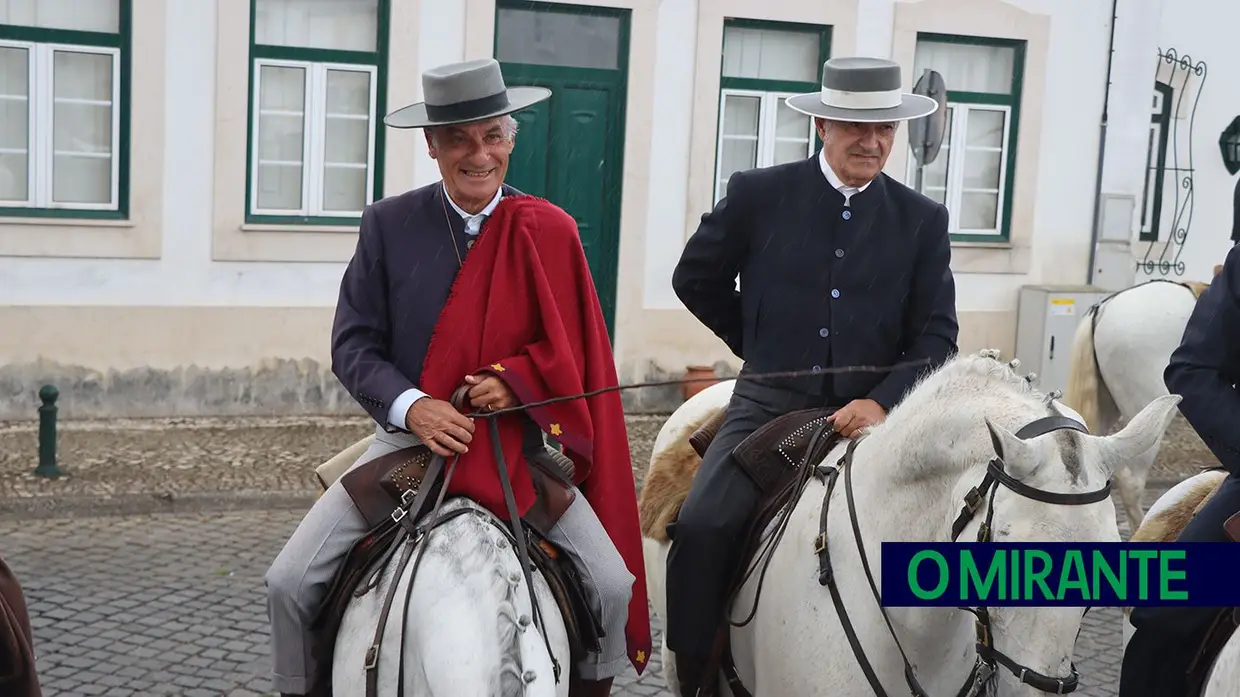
x=840, y=265
x=469, y=281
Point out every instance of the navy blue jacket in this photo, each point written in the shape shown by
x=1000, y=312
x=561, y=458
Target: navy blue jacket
x=391, y=295
x=823, y=284
x=1206, y=367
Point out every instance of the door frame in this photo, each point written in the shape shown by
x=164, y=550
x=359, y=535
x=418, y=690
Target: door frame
x=615, y=81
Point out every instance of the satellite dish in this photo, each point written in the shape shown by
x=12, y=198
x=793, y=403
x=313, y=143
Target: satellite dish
x=925, y=135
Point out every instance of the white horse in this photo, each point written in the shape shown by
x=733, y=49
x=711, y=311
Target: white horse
x=1163, y=523
x=910, y=478
x=470, y=629
x=1117, y=367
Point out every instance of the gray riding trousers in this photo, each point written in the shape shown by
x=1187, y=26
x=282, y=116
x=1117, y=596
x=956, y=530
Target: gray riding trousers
x=299, y=578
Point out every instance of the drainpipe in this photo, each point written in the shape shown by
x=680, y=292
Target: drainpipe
x=1102, y=149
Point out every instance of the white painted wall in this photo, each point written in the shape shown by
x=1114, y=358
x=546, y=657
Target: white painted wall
x=441, y=40
x=185, y=275
x=1206, y=31
x=670, y=137
x=1075, y=77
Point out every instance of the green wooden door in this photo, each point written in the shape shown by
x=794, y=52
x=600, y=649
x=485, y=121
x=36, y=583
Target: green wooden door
x=569, y=148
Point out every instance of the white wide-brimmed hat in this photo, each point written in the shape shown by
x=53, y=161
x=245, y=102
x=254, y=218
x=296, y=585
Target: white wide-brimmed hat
x=862, y=89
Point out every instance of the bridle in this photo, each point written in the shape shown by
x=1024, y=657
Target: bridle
x=988, y=657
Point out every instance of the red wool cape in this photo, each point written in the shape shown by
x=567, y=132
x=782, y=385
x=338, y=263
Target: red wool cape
x=523, y=308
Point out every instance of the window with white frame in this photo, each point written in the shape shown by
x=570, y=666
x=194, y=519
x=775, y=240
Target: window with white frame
x=973, y=172
x=314, y=105
x=61, y=114
x=763, y=64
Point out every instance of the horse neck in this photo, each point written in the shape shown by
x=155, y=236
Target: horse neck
x=934, y=438
x=910, y=469
x=906, y=476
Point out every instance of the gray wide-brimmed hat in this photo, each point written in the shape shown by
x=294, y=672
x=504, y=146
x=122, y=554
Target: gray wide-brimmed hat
x=464, y=92
x=862, y=89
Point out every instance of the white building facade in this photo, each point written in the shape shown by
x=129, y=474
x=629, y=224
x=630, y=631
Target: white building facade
x=181, y=180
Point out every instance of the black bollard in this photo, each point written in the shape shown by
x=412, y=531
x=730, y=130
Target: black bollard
x=47, y=433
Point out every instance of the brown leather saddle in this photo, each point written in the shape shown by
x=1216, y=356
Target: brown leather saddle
x=384, y=491
x=780, y=458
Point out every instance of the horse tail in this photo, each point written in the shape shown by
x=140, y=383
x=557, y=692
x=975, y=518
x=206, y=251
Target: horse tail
x=1084, y=392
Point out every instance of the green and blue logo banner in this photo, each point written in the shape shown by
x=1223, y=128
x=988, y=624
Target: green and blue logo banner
x=1099, y=574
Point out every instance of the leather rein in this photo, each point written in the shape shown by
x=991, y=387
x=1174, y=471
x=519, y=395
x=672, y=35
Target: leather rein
x=988, y=657
x=414, y=533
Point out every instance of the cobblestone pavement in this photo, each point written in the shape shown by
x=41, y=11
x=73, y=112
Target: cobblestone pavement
x=128, y=465
x=173, y=604
x=125, y=460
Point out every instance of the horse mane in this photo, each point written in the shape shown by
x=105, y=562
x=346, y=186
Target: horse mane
x=471, y=543
x=943, y=415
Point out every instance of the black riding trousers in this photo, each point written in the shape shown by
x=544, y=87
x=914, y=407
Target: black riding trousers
x=706, y=535
x=1158, y=656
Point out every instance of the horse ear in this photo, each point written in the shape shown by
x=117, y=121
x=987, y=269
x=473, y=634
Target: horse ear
x=1019, y=457
x=1144, y=432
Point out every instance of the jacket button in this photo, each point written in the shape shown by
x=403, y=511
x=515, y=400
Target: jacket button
x=835, y=293
x=817, y=368
x=847, y=214
x=824, y=332
x=839, y=254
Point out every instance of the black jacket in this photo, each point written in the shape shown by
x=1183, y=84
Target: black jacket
x=1206, y=367
x=823, y=284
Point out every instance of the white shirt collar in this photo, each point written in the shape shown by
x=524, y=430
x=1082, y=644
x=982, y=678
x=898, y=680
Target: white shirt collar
x=835, y=181
x=473, y=223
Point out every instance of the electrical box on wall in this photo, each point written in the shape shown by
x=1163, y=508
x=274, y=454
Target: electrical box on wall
x=1046, y=321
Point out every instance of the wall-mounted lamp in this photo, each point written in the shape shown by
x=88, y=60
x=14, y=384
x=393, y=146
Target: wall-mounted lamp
x=1229, y=143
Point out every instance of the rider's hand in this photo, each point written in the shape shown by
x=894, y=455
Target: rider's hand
x=440, y=426
x=857, y=415
x=489, y=391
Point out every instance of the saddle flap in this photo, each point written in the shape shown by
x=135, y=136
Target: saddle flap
x=583, y=627
x=552, y=497
x=377, y=486
x=1232, y=527
x=772, y=453
x=702, y=438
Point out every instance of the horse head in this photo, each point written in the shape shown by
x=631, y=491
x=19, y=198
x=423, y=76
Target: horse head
x=1042, y=478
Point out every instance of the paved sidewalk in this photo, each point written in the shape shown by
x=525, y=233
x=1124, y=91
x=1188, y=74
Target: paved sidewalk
x=173, y=604
x=161, y=603
x=213, y=464
x=145, y=466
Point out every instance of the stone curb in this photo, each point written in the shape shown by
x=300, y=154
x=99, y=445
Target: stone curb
x=85, y=506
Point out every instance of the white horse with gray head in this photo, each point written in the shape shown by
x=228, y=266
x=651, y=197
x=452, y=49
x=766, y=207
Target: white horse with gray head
x=465, y=629
x=1119, y=353
x=909, y=479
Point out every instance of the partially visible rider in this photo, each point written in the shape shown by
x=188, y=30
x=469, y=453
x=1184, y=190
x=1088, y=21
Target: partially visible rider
x=18, y=674
x=840, y=265
x=401, y=346
x=1204, y=371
